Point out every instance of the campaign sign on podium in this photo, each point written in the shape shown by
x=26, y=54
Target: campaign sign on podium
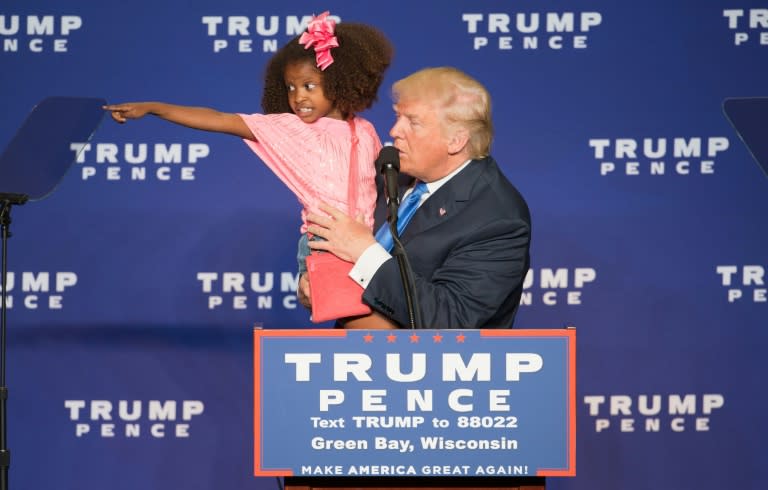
x=414, y=402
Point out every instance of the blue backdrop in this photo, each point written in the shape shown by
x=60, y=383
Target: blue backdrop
x=135, y=285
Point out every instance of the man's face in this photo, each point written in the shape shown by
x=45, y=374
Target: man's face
x=419, y=138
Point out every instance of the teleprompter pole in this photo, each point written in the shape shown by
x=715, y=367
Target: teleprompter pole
x=6, y=202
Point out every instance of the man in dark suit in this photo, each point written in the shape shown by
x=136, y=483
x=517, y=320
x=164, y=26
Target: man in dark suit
x=468, y=241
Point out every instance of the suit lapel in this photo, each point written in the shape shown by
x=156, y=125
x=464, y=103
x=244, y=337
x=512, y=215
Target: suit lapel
x=447, y=202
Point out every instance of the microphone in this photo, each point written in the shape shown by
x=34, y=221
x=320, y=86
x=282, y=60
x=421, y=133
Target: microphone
x=389, y=162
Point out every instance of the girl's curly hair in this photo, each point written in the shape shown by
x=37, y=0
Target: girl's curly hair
x=351, y=82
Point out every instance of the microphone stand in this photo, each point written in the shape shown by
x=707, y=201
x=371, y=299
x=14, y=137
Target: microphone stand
x=6, y=201
x=406, y=272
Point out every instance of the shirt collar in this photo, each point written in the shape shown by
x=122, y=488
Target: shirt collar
x=432, y=187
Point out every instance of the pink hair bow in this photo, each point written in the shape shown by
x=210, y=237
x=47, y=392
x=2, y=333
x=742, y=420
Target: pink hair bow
x=319, y=34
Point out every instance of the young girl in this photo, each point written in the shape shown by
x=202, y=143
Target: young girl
x=309, y=132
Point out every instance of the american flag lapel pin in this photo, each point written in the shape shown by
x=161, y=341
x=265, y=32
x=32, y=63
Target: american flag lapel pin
x=442, y=212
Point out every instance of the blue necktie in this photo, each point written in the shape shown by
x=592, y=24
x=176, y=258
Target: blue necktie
x=404, y=214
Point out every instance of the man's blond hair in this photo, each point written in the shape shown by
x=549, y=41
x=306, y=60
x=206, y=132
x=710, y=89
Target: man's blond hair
x=459, y=99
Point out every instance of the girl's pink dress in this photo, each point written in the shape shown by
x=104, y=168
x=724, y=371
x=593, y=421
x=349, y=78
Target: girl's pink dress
x=313, y=160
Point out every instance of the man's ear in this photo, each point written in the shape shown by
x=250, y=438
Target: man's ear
x=458, y=141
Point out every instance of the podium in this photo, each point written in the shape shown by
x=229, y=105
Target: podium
x=418, y=483
x=414, y=409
